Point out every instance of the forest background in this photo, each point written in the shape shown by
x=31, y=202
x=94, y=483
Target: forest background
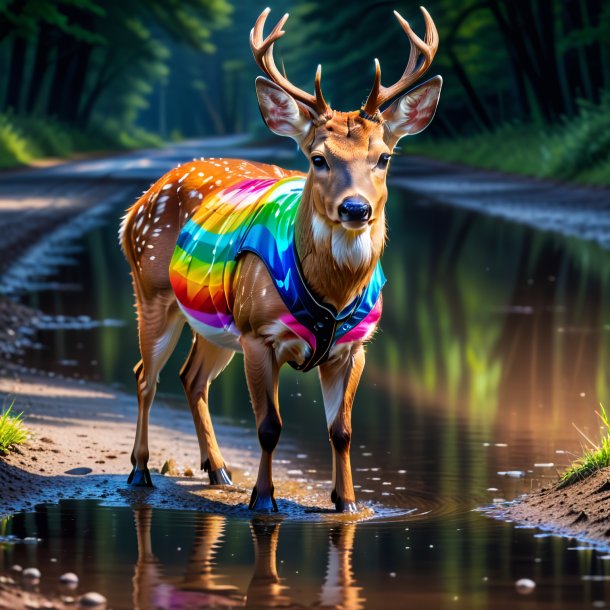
x=526, y=82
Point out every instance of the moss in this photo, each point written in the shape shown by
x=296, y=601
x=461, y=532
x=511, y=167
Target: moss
x=26, y=139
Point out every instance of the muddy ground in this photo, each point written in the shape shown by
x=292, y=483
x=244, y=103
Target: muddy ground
x=82, y=439
x=580, y=510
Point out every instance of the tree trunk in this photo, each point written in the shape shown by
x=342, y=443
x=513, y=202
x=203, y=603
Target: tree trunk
x=530, y=40
x=41, y=62
x=591, y=11
x=59, y=85
x=15, y=79
x=79, y=71
x=478, y=107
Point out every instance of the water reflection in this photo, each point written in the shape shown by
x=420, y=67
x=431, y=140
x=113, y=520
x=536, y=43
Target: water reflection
x=161, y=560
x=203, y=585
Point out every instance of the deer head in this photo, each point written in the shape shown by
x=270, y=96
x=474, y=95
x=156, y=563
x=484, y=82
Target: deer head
x=349, y=152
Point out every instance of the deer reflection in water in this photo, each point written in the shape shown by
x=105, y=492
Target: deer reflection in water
x=201, y=585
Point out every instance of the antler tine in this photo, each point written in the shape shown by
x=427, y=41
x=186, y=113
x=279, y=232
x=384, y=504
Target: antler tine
x=262, y=49
x=379, y=94
x=320, y=101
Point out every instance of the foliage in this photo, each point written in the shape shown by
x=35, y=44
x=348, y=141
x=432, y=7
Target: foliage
x=501, y=60
x=81, y=61
x=12, y=431
x=25, y=139
x=528, y=72
x=594, y=458
x=575, y=149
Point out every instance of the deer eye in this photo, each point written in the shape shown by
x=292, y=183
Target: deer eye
x=319, y=161
x=384, y=159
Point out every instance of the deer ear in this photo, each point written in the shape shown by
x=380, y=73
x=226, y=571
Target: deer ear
x=412, y=112
x=281, y=112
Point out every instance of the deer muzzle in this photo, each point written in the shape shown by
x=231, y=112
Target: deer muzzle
x=355, y=210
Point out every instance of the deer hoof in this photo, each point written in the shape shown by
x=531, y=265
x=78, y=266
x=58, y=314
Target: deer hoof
x=140, y=478
x=344, y=507
x=262, y=504
x=221, y=476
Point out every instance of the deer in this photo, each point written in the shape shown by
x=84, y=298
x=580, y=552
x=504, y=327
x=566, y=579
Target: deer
x=280, y=265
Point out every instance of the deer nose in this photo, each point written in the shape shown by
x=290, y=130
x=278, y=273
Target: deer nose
x=354, y=209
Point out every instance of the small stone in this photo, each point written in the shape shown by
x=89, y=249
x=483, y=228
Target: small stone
x=93, y=600
x=69, y=580
x=81, y=471
x=68, y=577
x=31, y=574
x=525, y=586
x=16, y=569
x=169, y=467
x=188, y=472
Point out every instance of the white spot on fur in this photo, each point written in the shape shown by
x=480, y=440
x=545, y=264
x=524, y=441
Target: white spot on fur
x=123, y=225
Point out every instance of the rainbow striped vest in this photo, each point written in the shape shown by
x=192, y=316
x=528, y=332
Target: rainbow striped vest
x=258, y=216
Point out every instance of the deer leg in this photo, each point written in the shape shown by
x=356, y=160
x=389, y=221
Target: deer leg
x=339, y=378
x=205, y=362
x=262, y=374
x=159, y=327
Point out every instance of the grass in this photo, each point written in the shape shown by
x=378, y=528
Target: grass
x=12, y=431
x=24, y=139
x=595, y=457
x=575, y=149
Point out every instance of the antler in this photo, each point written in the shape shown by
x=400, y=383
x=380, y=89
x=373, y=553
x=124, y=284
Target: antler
x=262, y=49
x=379, y=94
